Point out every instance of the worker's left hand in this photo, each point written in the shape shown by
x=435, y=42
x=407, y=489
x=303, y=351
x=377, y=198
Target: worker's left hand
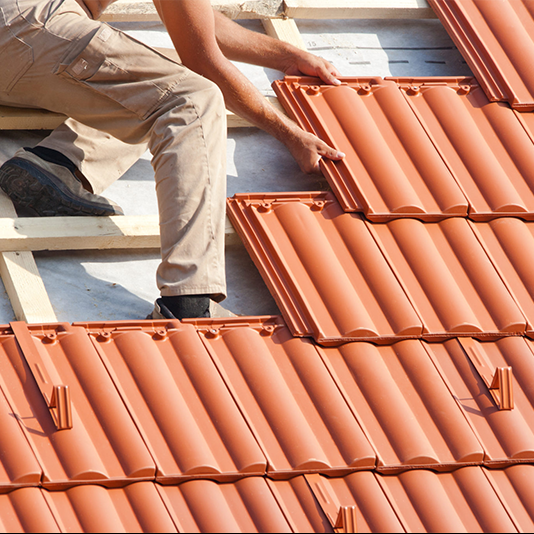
x=307, y=64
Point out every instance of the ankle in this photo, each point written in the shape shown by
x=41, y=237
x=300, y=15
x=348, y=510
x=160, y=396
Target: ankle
x=188, y=306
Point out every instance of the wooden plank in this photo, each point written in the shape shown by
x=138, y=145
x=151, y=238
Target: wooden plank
x=358, y=9
x=81, y=233
x=38, y=119
x=22, y=281
x=284, y=30
x=143, y=10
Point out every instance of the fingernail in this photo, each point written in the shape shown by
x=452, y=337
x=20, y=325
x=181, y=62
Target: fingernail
x=340, y=155
x=336, y=82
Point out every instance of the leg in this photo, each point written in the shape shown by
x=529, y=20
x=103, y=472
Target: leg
x=108, y=81
x=101, y=158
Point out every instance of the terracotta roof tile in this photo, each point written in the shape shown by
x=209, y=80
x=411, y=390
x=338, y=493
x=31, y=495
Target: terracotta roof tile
x=514, y=485
x=485, y=144
x=510, y=245
x=18, y=464
x=443, y=150
x=104, y=445
x=312, y=503
x=495, y=39
x=26, y=510
x=137, y=507
x=448, y=276
x=200, y=433
x=289, y=399
x=462, y=501
x=391, y=167
x=351, y=290
x=404, y=406
x=324, y=268
x=506, y=435
x=247, y=505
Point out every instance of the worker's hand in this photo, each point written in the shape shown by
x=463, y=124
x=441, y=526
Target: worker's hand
x=304, y=63
x=308, y=150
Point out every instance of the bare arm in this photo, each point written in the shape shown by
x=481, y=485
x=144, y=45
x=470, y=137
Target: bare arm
x=200, y=36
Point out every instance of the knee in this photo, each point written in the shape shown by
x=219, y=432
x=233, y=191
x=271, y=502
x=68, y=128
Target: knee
x=209, y=99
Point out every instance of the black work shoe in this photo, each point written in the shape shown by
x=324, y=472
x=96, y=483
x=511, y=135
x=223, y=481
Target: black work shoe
x=161, y=311
x=48, y=189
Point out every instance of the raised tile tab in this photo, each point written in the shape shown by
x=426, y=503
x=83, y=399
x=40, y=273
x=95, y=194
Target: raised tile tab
x=507, y=436
x=391, y=168
x=403, y=405
x=103, y=446
x=323, y=267
x=496, y=40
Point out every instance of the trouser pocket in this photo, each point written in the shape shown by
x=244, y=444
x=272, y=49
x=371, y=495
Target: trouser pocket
x=17, y=56
x=124, y=70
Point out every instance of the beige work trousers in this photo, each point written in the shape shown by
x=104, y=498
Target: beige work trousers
x=122, y=97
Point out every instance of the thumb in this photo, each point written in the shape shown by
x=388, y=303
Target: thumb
x=331, y=153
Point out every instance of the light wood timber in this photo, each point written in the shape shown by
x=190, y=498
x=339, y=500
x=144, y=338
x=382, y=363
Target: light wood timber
x=358, y=9
x=284, y=30
x=81, y=233
x=22, y=281
x=144, y=10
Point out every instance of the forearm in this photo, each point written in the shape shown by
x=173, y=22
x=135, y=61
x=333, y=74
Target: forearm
x=240, y=44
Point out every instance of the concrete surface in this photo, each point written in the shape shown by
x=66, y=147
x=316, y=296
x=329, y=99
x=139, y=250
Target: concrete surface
x=116, y=285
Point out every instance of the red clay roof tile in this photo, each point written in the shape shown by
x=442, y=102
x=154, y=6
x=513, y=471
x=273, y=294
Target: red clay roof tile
x=104, y=445
x=443, y=150
x=461, y=501
x=510, y=245
x=289, y=399
x=506, y=435
x=247, y=505
x=137, y=507
x=26, y=510
x=325, y=270
x=391, y=168
x=449, y=278
x=495, y=38
x=404, y=406
x=484, y=144
x=200, y=433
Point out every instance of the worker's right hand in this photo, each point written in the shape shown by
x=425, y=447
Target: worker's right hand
x=308, y=150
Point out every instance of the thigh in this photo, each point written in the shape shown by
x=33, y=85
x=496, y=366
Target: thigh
x=92, y=72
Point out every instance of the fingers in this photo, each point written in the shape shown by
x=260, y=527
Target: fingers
x=331, y=153
x=328, y=77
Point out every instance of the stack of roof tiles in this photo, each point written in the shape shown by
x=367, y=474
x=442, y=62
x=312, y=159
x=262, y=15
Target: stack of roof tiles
x=394, y=394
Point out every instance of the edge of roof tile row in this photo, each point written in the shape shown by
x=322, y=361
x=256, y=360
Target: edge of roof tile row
x=340, y=278
x=323, y=388
x=418, y=147
x=469, y=499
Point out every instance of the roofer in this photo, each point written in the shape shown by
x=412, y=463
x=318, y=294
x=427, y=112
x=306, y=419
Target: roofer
x=121, y=97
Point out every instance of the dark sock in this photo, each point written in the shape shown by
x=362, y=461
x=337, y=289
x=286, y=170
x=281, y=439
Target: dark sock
x=188, y=306
x=52, y=156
